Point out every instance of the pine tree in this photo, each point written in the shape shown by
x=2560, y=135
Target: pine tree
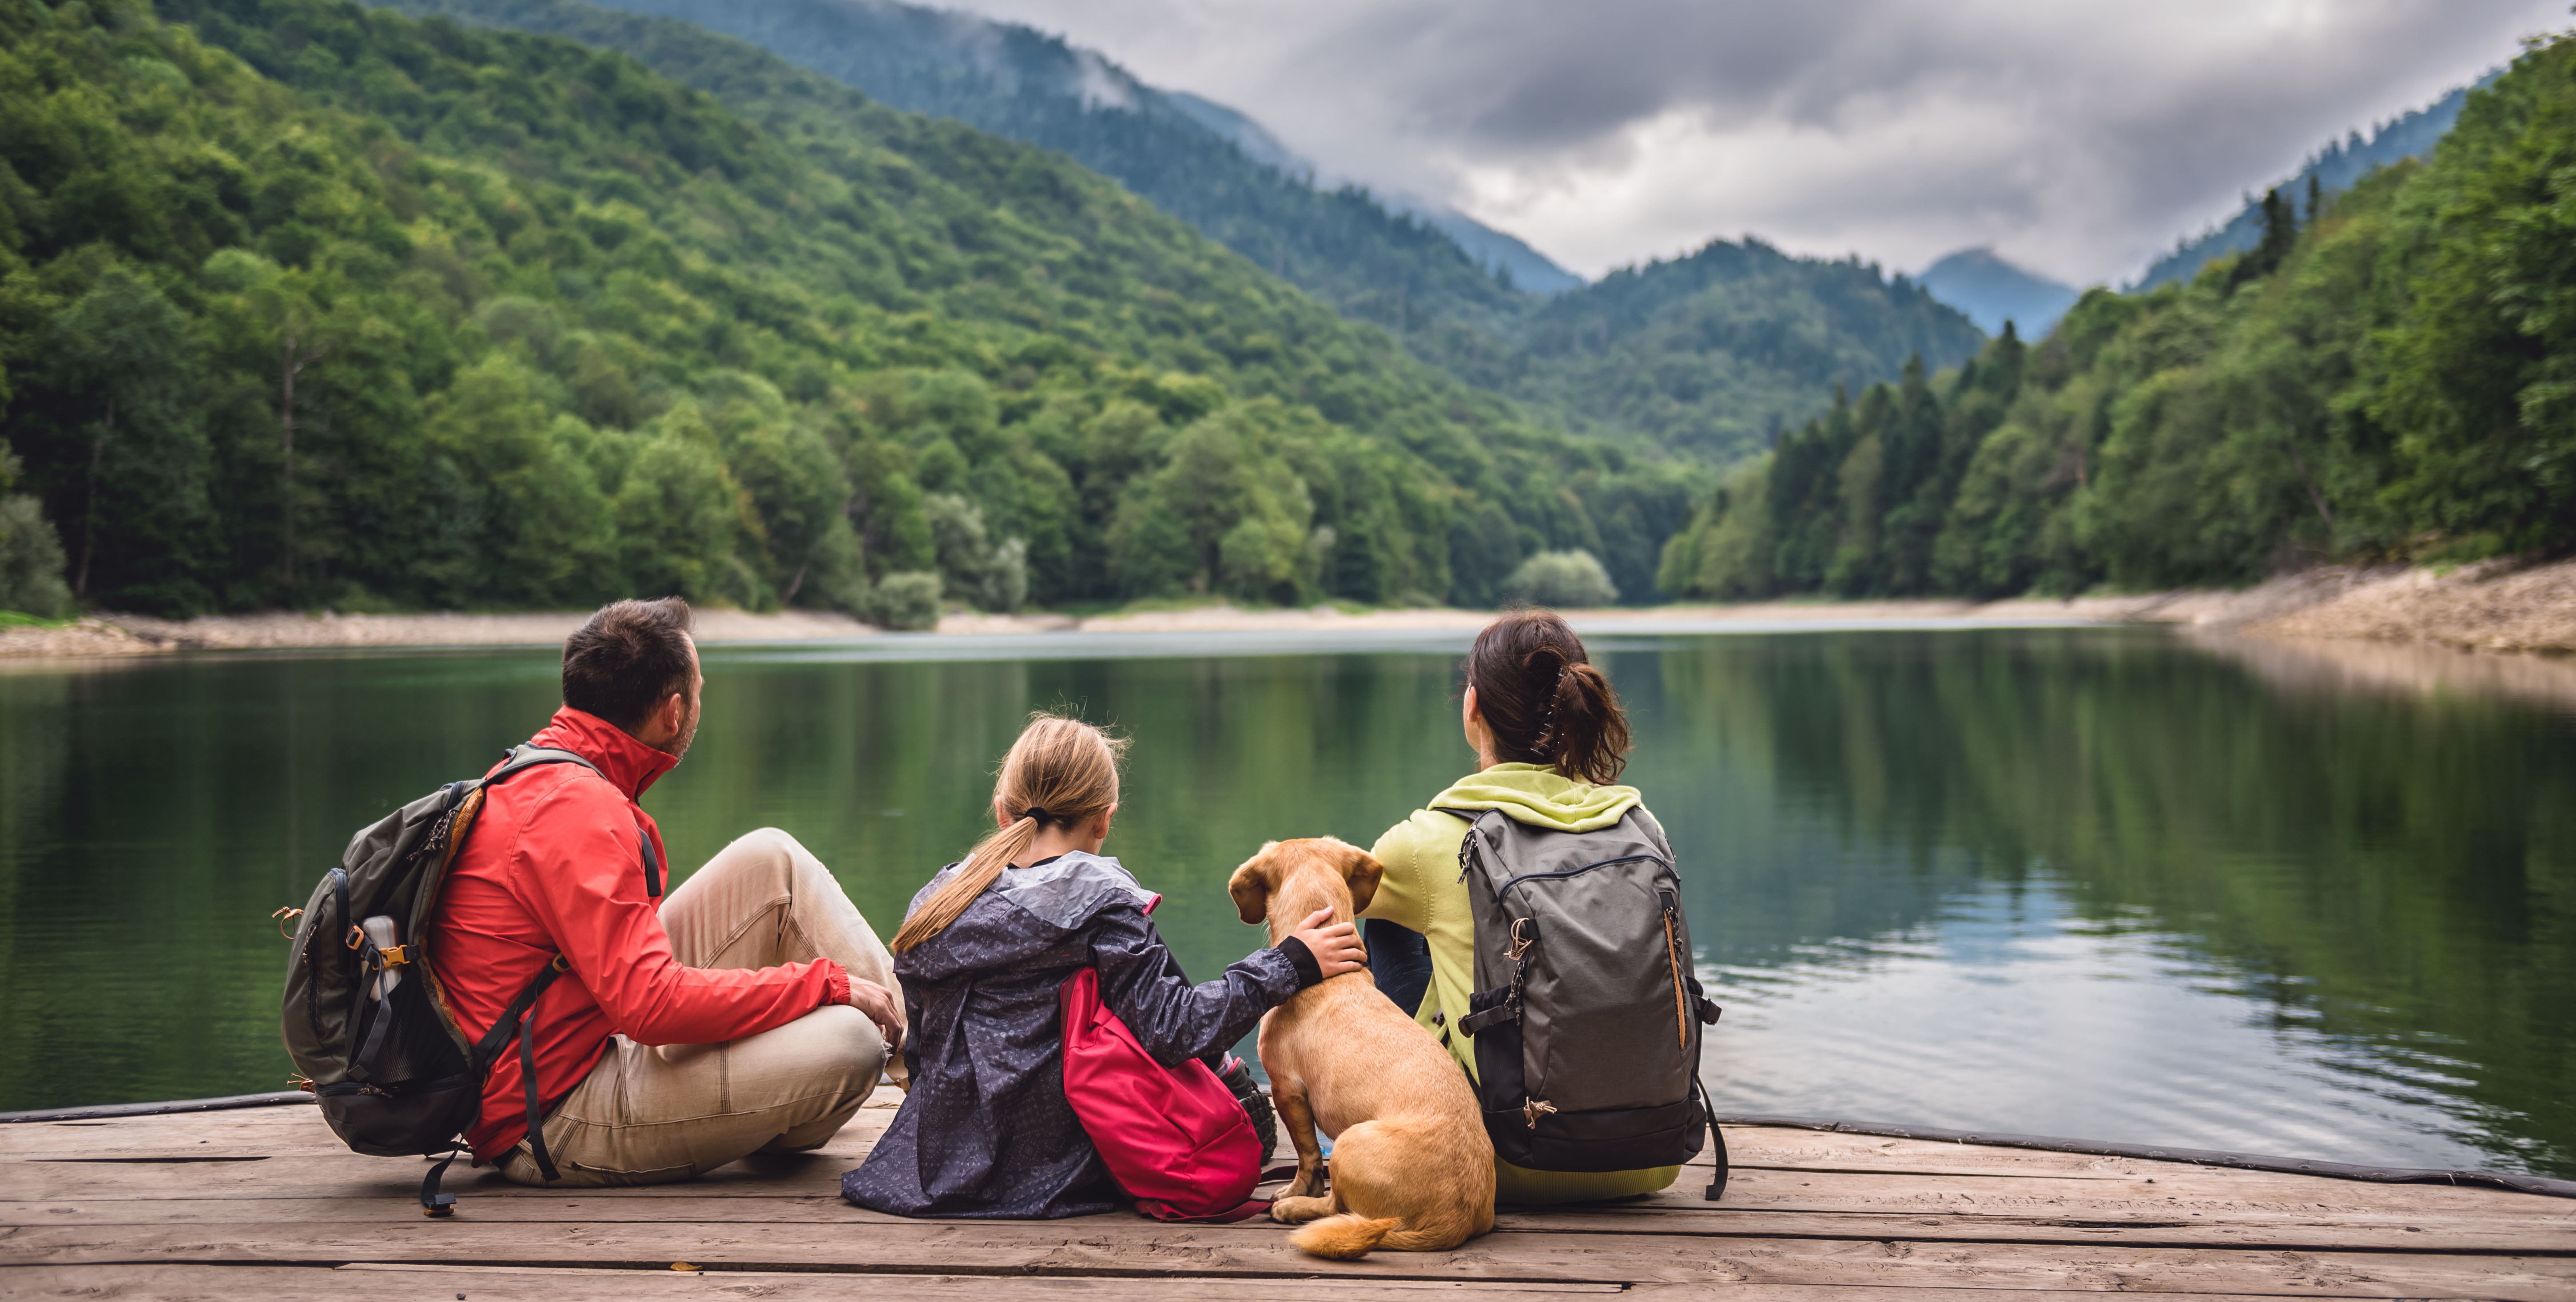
x=2280, y=235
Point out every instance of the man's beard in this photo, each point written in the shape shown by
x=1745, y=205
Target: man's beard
x=679, y=746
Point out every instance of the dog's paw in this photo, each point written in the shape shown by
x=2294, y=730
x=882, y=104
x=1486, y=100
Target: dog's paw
x=1298, y=1211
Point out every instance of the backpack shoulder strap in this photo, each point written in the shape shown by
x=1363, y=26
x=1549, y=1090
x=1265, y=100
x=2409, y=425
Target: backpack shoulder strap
x=1467, y=842
x=1654, y=829
x=523, y=758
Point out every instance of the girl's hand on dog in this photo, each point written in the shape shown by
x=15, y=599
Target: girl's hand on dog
x=1335, y=945
x=882, y=1008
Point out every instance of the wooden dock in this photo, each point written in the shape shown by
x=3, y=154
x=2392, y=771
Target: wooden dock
x=264, y=1203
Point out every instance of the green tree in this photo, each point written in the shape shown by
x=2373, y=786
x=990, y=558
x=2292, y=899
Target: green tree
x=31, y=554
x=1563, y=579
x=540, y=527
x=680, y=516
x=2280, y=235
x=123, y=354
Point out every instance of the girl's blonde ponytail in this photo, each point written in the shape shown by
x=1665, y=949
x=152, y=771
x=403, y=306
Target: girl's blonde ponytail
x=1062, y=772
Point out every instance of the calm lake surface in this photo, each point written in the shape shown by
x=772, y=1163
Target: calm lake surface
x=2103, y=883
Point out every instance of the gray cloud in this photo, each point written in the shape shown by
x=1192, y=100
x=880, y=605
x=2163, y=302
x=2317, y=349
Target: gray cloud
x=2080, y=139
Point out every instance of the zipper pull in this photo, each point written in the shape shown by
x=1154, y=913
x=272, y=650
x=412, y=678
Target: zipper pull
x=1673, y=951
x=1466, y=847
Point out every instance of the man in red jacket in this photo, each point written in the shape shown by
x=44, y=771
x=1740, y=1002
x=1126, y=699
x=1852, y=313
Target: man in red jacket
x=748, y=1012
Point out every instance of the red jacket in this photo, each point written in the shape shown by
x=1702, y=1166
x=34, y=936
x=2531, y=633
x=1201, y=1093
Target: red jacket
x=554, y=865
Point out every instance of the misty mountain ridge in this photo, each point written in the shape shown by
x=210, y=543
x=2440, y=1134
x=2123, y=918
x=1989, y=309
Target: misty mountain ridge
x=1992, y=291
x=1734, y=347
x=1498, y=252
x=1168, y=146
x=2335, y=168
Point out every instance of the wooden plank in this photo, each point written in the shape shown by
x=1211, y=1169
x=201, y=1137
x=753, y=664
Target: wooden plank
x=481, y=1284
x=1782, y=1148
x=2209, y=1196
x=2538, y=1238
x=284, y=1131
x=2206, y=1196
x=271, y=1130
x=1257, y=1250
x=346, y=1175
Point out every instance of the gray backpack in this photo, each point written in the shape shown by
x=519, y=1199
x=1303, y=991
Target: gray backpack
x=1586, y=1012
x=364, y=1017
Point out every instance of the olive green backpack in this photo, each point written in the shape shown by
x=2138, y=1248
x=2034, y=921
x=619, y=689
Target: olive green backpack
x=365, y=1018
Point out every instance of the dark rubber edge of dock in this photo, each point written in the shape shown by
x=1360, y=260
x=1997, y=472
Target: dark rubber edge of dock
x=2531, y=1184
x=104, y=1110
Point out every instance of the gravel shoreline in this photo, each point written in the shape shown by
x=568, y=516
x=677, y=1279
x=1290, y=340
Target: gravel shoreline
x=2495, y=606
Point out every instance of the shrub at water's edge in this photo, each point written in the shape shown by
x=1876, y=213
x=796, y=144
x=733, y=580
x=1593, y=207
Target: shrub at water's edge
x=906, y=602
x=31, y=555
x=1561, y=579
x=335, y=308
x=2389, y=375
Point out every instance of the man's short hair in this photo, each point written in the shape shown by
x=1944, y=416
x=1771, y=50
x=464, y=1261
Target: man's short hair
x=628, y=657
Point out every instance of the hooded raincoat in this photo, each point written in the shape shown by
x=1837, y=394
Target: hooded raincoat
x=1422, y=891
x=985, y=1130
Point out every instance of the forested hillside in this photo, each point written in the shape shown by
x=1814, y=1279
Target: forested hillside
x=1701, y=357
x=308, y=304
x=1714, y=354
x=1343, y=246
x=2394, y=378
x=2331, y=170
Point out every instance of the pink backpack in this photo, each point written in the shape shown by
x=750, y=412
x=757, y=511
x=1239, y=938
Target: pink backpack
x=1174, y=1137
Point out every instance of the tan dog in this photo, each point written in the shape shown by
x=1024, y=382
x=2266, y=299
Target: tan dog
x=1412, y=1168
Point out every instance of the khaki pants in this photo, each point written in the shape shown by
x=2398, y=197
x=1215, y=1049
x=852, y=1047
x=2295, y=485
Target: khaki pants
x=649, y=1115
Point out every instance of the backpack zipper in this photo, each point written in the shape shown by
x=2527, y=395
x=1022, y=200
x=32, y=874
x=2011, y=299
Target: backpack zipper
x=1573, y=872
x=1673, y=951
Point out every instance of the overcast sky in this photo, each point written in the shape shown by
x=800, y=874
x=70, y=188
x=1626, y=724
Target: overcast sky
x=2079, y=139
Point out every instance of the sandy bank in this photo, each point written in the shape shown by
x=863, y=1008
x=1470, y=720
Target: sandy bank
x=127, y=635
x=2491, y=607
x=2494, y=606
x=139, y=635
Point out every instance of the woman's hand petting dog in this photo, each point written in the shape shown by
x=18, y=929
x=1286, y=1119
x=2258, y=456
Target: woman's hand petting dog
x=1335, y=945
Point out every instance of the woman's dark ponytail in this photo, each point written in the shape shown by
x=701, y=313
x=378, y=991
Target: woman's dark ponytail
x=1544, y=699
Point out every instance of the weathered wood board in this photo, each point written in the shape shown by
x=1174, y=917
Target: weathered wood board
x=266, y=1203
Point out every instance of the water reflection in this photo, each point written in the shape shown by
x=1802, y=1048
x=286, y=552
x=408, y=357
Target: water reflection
x=2090, y=882
x=2127, y=888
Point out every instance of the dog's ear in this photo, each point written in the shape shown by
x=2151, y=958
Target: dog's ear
x=1250, y=886
x=1362, y=870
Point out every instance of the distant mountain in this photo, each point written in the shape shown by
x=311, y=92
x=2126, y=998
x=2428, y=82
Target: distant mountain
x=1200, y=161
x=1498, y=253
x=1713, y=354
x=1502, y=254
x=1249, y=136
x=1992, y=291
x=2335, y=168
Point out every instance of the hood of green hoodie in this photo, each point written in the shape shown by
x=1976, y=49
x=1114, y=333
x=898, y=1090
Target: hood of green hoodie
x=1539, y=796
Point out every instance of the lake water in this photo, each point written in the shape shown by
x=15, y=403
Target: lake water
x=2103, y=883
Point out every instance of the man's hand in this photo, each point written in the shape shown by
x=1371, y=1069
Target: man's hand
x=881, y=1007
x=1335, y=945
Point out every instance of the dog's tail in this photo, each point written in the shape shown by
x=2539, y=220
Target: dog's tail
x=1344, y=1237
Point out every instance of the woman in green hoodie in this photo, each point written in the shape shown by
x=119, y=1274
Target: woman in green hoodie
x=1550, y=740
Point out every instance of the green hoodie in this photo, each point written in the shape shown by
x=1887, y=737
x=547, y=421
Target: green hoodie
x=1422, y=891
